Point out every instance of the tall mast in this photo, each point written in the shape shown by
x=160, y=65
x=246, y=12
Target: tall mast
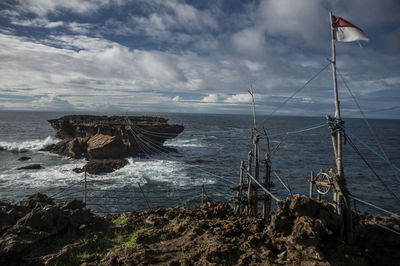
x=337, y=145
x=339, y=181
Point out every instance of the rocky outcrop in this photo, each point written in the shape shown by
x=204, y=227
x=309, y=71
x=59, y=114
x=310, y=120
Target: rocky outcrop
x=101, y=137
x=28, y=230
x=30, y=167
x=301, y=232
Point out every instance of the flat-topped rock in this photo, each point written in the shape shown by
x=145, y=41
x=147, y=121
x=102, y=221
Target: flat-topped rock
x=110, y=137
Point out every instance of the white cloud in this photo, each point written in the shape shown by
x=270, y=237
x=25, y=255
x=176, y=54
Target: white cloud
x=177, y=99
x=44, y=7
x=239, y=98
x=250, y=42
x=211, y=98
x=37, y=22
x=302, y=20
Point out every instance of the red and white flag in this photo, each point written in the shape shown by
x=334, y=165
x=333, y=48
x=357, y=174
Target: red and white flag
x=347, y=32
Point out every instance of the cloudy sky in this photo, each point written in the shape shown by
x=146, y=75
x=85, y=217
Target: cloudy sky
x=196, y=56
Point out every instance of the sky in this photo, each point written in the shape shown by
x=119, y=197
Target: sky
x=197, y=56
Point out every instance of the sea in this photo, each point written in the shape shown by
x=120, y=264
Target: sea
x=207, y=163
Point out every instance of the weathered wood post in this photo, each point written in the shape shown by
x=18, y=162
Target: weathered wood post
x=239, y=193
x=144, y=197
x=249, y=183
x=311, y=184
x=85, y=189
x=202, y=194
x=256, y=138
x=267, y=183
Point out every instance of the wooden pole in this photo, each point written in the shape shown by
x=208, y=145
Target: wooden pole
x=256, y=170
x=202, y=194
x=239, y=193
x=311, y=184
x=339, y=164
x=85, y=189
x=249, y=160
x=267, y=182
x=144, y=197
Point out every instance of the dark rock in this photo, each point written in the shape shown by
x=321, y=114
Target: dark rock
x=102, y=137
x=31, y=166
x=104, y=146
x=104, y=166
x=78, y=170
x=24, y=158
x=38, y=198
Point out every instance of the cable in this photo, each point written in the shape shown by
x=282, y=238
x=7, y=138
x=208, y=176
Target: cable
x=298, y=90
x=372, y=170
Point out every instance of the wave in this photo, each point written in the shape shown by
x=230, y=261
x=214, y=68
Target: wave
x=184, y=143
x=29, y=145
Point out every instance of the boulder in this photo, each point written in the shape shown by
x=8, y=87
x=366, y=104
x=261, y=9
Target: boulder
x=24, y=158
x=104, y=166
x=31, y=166
x=105, y=146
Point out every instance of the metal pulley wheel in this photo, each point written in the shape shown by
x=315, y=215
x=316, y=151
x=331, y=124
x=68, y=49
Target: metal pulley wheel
x=323, y=183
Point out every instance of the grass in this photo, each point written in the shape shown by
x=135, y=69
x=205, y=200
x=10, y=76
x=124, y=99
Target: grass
x=121, y=220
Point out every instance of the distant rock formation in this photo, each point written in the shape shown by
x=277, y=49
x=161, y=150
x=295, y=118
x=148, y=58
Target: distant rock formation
x=101, y=137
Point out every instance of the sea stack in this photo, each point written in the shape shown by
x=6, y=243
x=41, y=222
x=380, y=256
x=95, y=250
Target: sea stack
x=110, y=137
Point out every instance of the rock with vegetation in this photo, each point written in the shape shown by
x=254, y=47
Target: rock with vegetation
x=301, y=232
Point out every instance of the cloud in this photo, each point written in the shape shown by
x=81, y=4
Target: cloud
x=42, y=8
x=37, y=22
x=239, y=98
x=250, y=42
x=211, y=98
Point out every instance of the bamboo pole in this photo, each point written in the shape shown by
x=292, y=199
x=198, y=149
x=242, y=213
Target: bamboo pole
x=339, y=164
x=311, y=184
x=249, y=160
x=85, y=189
x=144, y=197
x=202, y=194
x=256, y=170
x=239, y=193
x=267, y=182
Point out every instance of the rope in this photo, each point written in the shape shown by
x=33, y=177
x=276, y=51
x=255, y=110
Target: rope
x=276, y=174
x=300, y=130
x=363, y=115
x=348, y=132
x=374, y=206
x=58, y=193
x=387, y=228
x=291, y=166
x=263, y=188
x=298, y=90
x=372, y=169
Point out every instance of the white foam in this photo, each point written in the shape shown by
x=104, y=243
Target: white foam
x=48, y=176
x=184, y=143
x=29, y=145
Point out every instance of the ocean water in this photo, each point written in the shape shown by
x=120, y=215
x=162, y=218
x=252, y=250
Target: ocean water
x=209, y=154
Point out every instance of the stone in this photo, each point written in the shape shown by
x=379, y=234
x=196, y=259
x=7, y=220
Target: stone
x=96, y=167
x=31, y=166
x=105, y=146
x=24, y=158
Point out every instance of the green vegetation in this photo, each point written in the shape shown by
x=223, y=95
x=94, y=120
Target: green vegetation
x=121, y=220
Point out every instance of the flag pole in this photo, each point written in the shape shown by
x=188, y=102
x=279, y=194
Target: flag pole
x=337, y=145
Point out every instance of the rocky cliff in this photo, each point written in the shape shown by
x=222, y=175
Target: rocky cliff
x=301, y=232
x=103, y=137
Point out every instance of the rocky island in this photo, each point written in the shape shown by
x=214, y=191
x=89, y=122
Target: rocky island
x=105, y=141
